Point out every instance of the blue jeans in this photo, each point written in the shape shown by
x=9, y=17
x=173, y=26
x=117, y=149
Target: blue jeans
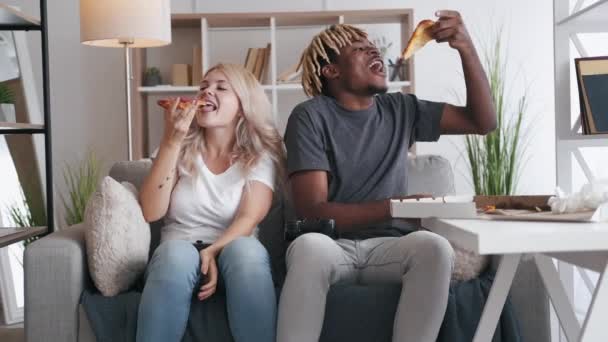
x=172, y=278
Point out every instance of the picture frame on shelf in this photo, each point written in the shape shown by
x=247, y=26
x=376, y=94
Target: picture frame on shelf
x=592, y=80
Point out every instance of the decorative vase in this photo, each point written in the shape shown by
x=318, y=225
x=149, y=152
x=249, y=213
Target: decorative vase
x=397, y=72
x=151, y=80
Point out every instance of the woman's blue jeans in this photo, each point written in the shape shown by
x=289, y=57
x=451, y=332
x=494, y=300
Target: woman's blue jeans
x=172, y=277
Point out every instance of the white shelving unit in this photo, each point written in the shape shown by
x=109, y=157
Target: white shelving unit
x=278, y=88
x=569, y=23
x=201, y=28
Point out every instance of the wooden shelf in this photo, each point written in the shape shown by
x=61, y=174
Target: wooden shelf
x=17, y=127
x=286, y=86
x=578, y=141
x=14, y=20
x=593, y=14
x=587, y=137
x=279, y=87
x=9, y=236
x=253, y=19
x=167, y=89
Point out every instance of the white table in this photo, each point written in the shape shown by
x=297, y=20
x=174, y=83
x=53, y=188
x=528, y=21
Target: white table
x=582, y=244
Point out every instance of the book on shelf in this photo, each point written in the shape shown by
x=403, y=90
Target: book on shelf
x=257, y=61
x=197, y=65
x=249, y=60
x=181, y=75
x=266, y=62
x=592, y=81
x=290, y=75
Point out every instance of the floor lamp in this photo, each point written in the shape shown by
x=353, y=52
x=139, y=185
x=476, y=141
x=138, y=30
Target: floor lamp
x=125, y=24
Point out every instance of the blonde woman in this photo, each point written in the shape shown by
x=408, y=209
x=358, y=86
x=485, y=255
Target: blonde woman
x=213, y=179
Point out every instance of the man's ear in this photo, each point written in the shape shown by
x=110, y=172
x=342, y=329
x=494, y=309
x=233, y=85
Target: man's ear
x=330, y=71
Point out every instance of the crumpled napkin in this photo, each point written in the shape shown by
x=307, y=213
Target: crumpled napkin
x=591, y=196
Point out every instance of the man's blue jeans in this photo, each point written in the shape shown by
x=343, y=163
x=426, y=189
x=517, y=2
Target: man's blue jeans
x=172, y=277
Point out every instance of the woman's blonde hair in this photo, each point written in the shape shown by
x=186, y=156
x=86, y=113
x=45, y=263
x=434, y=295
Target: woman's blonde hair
x=256, y=133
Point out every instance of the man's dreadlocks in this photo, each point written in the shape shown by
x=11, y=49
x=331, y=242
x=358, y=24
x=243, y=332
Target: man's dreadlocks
x=323, y=49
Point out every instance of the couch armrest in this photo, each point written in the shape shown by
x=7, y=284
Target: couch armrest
x=55, y=276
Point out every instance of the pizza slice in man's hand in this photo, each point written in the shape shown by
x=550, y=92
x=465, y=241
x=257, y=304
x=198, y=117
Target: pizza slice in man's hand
x=421, y=36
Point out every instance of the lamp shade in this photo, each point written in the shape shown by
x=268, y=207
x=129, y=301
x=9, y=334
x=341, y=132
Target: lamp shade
x=109, y=23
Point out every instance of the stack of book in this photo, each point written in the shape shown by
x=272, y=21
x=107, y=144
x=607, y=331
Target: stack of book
x=592, y=79
x=291, y=75
x=257, y=61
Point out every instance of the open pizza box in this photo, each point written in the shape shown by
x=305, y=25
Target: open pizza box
x=532, y=208
x=514, y=208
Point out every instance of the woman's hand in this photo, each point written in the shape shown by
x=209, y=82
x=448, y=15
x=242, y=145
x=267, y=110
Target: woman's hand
x=177, y=122
x=209, y=273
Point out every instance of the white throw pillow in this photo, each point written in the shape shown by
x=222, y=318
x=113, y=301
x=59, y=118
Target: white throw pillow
x=467, y=264
x=117, y=237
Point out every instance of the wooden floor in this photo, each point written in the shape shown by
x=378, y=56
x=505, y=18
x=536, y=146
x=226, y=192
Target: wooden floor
x=11, y=334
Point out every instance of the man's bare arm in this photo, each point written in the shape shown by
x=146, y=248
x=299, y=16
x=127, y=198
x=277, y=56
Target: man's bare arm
x=309, y=189
x=479, y=115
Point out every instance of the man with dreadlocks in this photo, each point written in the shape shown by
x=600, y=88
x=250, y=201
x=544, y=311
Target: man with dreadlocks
x=347, y=152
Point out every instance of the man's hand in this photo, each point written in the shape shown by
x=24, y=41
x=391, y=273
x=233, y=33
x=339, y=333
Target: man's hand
x=450, y=28
x=479, y=115
x=209, y=273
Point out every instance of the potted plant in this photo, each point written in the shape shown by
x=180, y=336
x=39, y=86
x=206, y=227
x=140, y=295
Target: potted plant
x=81, y=182
x=6, y=98
x=495, y=159
x=152, y=77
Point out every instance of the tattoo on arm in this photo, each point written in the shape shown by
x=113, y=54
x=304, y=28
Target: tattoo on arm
x=167, y=178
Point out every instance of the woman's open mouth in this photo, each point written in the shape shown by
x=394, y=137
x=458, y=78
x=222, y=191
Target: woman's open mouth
x=207, y=106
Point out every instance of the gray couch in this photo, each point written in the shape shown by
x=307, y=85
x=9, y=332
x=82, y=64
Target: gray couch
x=56, y=268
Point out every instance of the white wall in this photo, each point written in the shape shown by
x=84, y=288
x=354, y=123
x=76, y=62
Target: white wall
x=529, y=28
x=87, y=88
x=529, y=34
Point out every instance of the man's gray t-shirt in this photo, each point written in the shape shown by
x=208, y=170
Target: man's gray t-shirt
x=364, y=152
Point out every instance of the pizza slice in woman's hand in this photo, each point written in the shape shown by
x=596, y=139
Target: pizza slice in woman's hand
x=183, y=103
x=421, y=36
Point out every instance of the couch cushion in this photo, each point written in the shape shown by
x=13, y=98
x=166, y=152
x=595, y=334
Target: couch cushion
x=430, y=174
x=353, y=313
x=135, y=172
x=117, y=237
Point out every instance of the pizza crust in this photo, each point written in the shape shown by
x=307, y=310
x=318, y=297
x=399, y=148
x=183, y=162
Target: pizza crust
x=183, y=103
x=421, y=36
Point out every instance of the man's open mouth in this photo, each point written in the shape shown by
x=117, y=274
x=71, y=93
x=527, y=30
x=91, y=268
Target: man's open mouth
x=377, y=66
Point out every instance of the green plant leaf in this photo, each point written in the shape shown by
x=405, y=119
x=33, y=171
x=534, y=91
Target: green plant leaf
x=6, y=94
x=81, y=181
x=494, y=159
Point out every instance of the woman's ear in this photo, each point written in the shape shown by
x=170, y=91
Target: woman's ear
x=330, y=71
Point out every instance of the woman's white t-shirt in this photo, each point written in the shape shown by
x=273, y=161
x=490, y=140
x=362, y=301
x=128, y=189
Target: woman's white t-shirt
x=204, y=204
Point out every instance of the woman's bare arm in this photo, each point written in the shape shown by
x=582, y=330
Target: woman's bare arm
x=155, y=192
